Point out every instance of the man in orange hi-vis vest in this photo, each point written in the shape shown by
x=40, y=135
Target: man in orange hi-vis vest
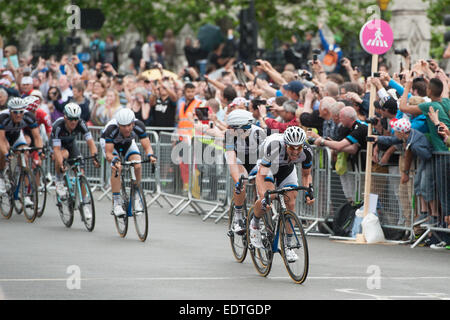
x=186, y=126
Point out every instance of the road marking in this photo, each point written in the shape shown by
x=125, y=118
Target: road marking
x=223, y=278
x=419, y=295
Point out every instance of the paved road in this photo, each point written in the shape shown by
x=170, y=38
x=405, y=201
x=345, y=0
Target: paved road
x=185, y=258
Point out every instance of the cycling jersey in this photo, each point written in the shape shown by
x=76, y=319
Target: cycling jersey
x=126, y=145
x=245, y=145
x=14, y=131
x=42, y=118
x=61, y=137
x=283, y=171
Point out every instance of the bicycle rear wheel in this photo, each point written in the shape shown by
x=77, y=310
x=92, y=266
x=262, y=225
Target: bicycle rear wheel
x=139, y=210
x=66, y=206
x=41, y=183
x=122, y=222
x=29, y=195
x=238, y=241
x=293, y=239
x=87, y=203
x=261, y=257
x=7, y=198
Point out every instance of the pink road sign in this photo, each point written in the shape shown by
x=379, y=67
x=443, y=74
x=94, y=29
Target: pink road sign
x=376, y=37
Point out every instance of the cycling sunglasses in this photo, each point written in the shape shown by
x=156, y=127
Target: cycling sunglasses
x=294, y=148
x=246, y=127
x=72, y=119
x=18, y=111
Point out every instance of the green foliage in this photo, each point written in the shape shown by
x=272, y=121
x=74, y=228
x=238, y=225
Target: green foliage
x=436, y=11
x=277, y=19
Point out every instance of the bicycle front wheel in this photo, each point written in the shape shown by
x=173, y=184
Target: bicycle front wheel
x=139, y=211
x=87, y=207
x=294, y=247
x=65, y=206
x=29, y=195
x=122, y=222
x=41, y=184
x=238, y=240
x=261, y=257
x=7, y=198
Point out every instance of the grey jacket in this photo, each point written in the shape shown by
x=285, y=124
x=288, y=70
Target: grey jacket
x=417, y=142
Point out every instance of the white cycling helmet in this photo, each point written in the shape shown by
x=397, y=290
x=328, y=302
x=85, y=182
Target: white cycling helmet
x=31, y=102
x=16, y=103
x=72, y=110
x=294, y=136
x=239, y=118
x=125, y=116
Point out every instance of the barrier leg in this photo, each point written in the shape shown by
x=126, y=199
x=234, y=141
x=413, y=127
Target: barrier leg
x=176, y=206
x=420, y=239
x=183, y=207
x=211, y=212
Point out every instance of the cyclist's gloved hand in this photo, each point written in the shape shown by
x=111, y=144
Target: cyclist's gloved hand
x=264, y=203
x=152, y=157
x=237, y=188
x=114, y=161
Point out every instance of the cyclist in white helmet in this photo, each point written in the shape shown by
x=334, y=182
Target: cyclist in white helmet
x=64, y=132
x=242, y=141
x=12, y=123
x=277, y=169
x=119, y=136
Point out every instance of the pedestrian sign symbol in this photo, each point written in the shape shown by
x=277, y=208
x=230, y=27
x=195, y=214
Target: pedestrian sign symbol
x=376, y=37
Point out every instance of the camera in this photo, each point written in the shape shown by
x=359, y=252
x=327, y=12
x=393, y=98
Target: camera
x=315, y=89
x=373, y=120
x=376, y=74
x=239, y=66
x=202, y=113
x=305, y=74
x=258, y=102
x=257, y=63
x=440, y=129
x=402, y=52
x=311, y=140
x=186, y=75
x=315, y=53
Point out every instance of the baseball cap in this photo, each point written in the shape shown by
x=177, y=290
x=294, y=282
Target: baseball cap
x=5, y=82
x=9, y=74
x=27, y=80
x=37, y=93
x=294, y=86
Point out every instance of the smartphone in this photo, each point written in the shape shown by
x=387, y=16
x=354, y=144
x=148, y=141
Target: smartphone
x=376, y=74
x=202, y=113
x=440, y=129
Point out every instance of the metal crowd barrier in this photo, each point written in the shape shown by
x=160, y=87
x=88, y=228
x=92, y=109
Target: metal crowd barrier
x=191, y=173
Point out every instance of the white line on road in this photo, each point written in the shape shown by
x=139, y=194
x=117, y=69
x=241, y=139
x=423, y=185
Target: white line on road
x=222, y=278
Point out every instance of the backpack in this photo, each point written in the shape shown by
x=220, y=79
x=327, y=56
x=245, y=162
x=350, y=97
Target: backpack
x=330, y=61
x=343, y=219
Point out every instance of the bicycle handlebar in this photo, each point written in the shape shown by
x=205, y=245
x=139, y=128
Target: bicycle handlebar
x=134, y=162
x=308, y=189
x=28, y=149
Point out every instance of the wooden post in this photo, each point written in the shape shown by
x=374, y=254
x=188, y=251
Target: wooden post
x=368, y=178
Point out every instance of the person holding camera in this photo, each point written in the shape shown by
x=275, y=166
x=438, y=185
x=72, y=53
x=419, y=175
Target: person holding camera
x=140, y=105
x=287, y=114
x=163, y=105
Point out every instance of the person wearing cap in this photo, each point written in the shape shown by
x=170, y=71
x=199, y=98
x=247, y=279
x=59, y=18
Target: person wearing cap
x=289, y=109
x=3, y=99
x=26, y=86
x=415, y=144
x=292, y=90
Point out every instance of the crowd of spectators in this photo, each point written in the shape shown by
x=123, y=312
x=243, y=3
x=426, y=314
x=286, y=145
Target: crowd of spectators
x=330, y=100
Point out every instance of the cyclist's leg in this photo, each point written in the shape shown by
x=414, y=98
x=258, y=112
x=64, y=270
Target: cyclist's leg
x=264, y=181
x=133, y=154
x=290, y=197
